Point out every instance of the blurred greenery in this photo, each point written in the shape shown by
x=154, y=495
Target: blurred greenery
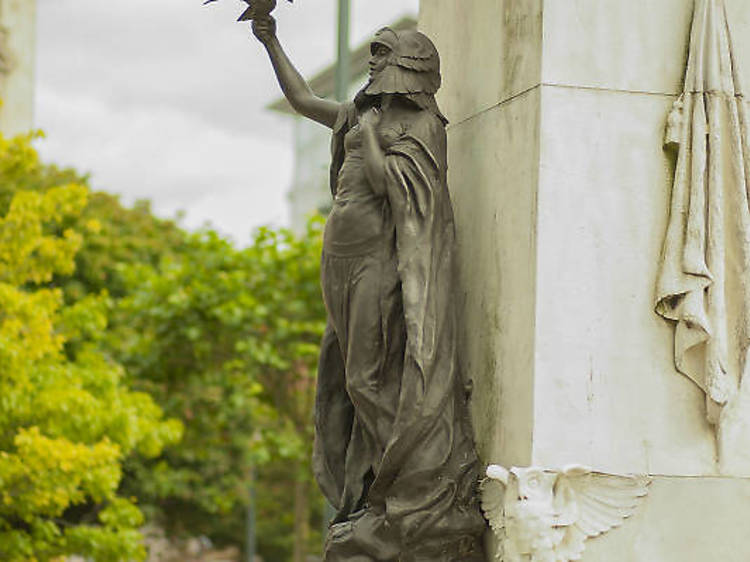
x=146, y=318
x=226, y=340
x=67, y=418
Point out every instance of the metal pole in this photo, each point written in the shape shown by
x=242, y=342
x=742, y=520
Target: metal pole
x=342, y=57
x=250, y=529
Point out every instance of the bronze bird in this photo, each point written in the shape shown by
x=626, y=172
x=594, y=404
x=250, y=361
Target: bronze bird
x=255, y=8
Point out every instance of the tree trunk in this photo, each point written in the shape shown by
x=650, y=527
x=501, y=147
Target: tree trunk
x=301, y=518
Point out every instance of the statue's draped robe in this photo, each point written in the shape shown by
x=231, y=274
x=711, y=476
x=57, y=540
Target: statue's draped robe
x=424, y=481
x=704, y=280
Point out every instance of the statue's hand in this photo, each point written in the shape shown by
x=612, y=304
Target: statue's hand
x=371, y=119
x=264, y=29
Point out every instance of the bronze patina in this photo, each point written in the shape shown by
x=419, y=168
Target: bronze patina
x=255, y=9
x=394, y=452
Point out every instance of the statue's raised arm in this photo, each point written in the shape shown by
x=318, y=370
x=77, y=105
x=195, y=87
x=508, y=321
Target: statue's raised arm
x=294, y=86
x=393, y=450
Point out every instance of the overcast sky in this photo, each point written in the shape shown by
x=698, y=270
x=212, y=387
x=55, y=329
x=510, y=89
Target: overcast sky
x=165, y=100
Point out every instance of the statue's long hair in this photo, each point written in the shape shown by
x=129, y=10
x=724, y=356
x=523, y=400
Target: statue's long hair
x=413, y=71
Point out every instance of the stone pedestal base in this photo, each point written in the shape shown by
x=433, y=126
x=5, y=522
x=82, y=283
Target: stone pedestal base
x=561, y=189
x=683, y=519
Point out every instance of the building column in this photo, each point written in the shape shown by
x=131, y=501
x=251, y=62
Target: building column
x=17, y=54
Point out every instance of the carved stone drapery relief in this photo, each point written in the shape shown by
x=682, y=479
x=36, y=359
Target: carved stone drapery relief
x=541, y=515
x=704, y=278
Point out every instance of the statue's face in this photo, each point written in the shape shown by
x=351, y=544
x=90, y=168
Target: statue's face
x=379, y=59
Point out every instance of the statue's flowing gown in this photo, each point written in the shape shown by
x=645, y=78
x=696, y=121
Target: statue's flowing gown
x=393, y=452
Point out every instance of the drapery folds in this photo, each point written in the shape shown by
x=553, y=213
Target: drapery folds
x=422, y=493
x=704, y=278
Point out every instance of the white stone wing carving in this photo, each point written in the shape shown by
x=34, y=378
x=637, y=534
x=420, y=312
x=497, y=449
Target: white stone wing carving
x=493, y=497
x=493, y=490
x=591, y=503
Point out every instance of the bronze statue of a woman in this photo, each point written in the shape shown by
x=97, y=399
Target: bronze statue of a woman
x=394, y=452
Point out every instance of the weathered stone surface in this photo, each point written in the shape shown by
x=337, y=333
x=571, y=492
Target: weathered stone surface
x=562, y=188
x=607, y=392
x=637, y=45
x=471, y=37
x=682, y=520
x=497, y=318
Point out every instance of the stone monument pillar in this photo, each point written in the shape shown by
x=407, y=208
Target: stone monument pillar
x=17, y=54
x=563, y=190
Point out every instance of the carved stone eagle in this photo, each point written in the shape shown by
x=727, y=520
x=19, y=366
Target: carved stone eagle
x=544, y=515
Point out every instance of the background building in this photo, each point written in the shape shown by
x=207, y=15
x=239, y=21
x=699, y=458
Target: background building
x=310, y=191
x=17, y=53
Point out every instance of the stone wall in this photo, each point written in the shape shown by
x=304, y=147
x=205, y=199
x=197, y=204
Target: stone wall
x=561, y=189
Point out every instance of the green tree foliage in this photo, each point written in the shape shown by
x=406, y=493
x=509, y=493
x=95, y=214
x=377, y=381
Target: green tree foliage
x=118, y=236
x=223, y=339
x=21, y=170
x=67, y=421
x=115, y=235
x=227, y=340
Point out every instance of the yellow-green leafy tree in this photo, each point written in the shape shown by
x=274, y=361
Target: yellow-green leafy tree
x=67, y=418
